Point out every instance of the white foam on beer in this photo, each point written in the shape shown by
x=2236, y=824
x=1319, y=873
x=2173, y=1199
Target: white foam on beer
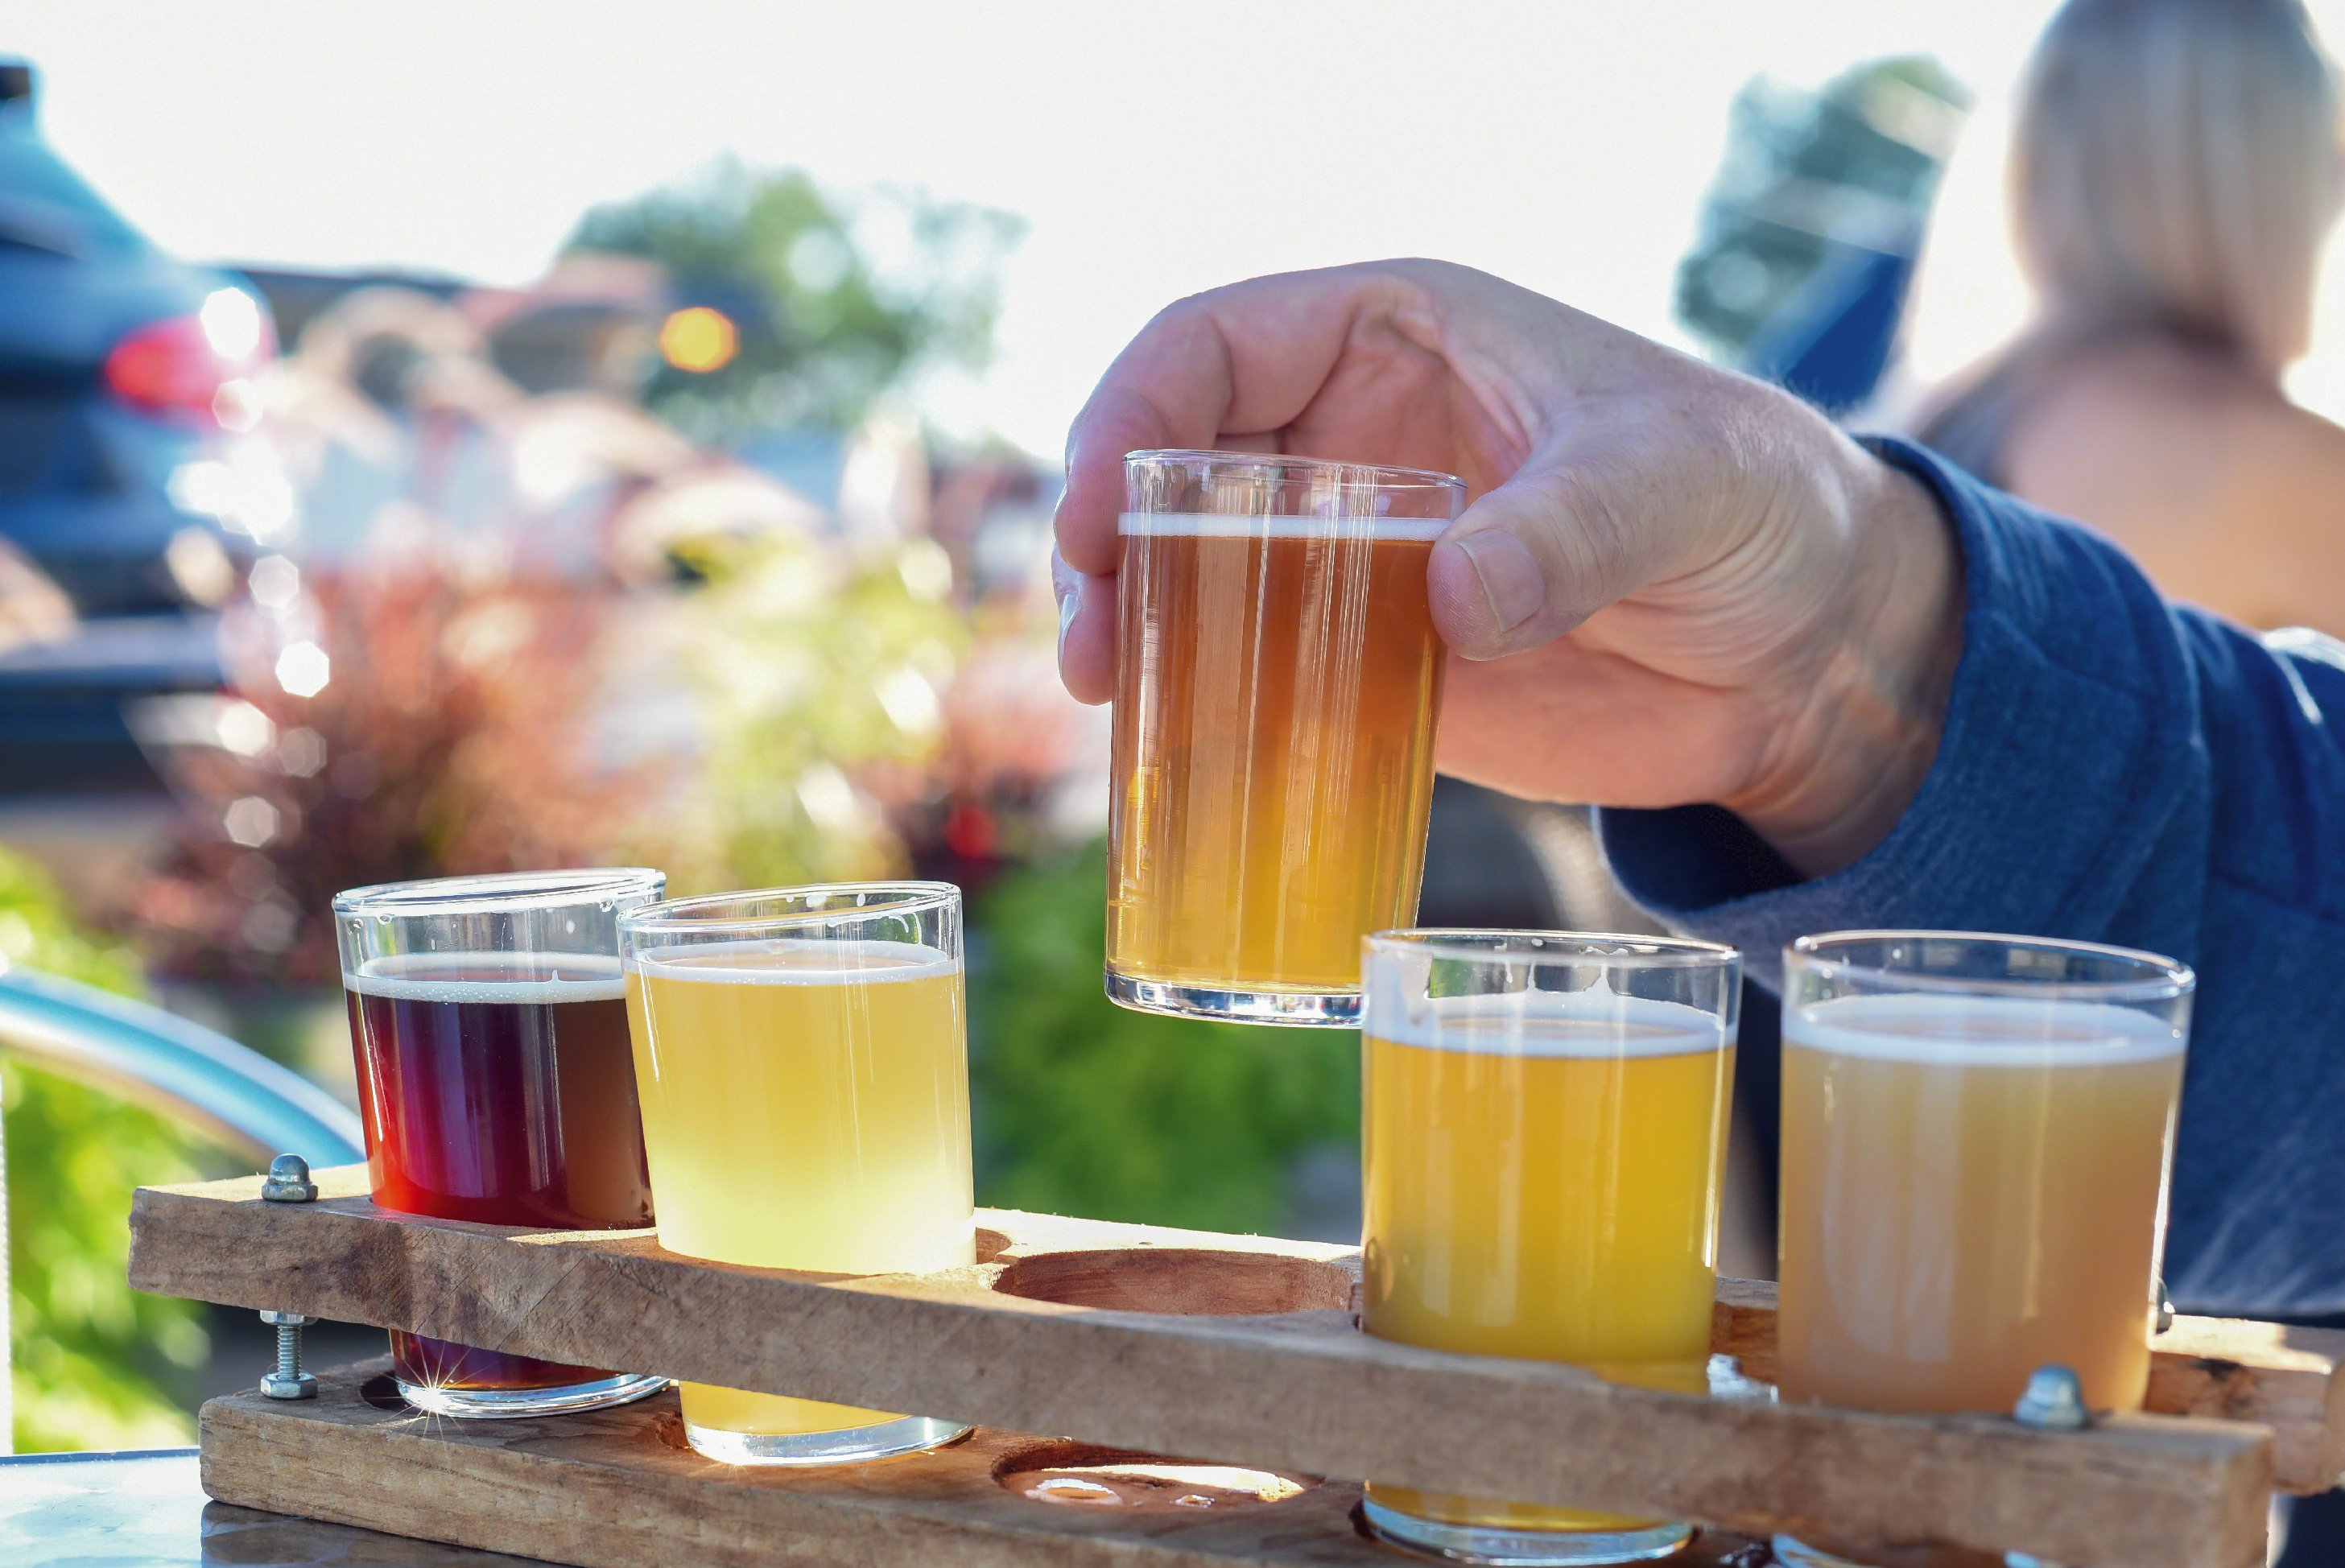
x=796, y=961
x=1597, y=1024
x=1228, y=525
x=1937, y=1030
x=503, y=977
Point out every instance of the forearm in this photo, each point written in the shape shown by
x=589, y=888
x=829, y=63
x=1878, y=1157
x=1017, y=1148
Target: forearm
x=1854, y=751
x=2111, y=770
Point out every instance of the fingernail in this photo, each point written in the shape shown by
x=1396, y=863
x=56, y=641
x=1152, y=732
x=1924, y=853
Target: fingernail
x=1511, y=580
x=1070, y=600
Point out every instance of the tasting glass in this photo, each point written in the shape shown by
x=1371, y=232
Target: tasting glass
x=1278, y=680
x=1976, y=1135
x=489, y=1022
x=1543, y=1138
x=803, y=1058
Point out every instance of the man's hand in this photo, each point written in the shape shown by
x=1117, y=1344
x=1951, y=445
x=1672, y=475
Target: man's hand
x=1672, y=585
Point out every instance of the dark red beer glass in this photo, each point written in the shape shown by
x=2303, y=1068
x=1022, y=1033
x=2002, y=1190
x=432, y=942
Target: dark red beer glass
x=497, y=1084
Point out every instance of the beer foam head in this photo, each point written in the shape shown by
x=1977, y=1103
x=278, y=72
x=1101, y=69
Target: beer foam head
x=793, y=961
x=1945, y=1030
x=1232, y=525
x=507, y=977
x=1595, y=1023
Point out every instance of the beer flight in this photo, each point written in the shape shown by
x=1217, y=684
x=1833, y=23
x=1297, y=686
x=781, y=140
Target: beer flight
x=1976, y=1130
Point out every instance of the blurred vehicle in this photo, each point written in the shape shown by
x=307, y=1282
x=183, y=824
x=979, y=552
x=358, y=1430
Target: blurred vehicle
x=126, y=480
x=123, y=373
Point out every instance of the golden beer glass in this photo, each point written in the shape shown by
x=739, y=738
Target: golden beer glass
x=802, y=1060
x=1278, y=677
x=1543, y=1142
x=1976, y=1136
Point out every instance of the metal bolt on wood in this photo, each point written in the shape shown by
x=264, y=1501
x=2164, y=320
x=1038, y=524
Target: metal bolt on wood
x=289, y=1381
x=288, y=1182
x=2054, y=1398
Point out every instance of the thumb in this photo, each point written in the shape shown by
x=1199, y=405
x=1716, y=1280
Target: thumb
x=1536, y=556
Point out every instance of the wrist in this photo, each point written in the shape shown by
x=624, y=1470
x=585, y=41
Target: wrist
x=1863, y=733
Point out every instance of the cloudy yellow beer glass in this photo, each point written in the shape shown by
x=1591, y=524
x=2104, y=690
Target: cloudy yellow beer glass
x=802, y=1061
x=1544, y=1140
x=1976, y=1136
x=1278, y=679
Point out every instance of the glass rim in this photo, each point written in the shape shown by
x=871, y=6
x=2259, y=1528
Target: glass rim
x=1646, y=952
x=2164, y=978
x=487, y=893
x=1377, y=476
x=678, y=917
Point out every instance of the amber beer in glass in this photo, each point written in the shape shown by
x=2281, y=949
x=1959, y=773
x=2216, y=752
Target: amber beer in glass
x=490, y=1024
x=1976, y=1135
x=804, y=1066
x=1544, y=1141
x=1278, y=679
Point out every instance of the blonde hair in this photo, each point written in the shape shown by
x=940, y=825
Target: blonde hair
x=2176, y=165
x=2174, y=169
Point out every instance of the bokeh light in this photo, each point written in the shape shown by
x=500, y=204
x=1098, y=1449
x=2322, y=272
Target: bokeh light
x=699, y=340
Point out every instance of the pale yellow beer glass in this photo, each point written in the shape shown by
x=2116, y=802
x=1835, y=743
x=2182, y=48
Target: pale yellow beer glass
x=802, y=1060
x=1278, y=677
x=1543, y=1146
x=1976, y=1136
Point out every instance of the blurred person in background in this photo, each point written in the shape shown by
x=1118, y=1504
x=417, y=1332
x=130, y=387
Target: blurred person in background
x=2175, y=170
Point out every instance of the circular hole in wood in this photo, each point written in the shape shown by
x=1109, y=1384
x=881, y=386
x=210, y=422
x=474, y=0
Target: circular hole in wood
x=1185, y=1280
x=991, y=1244
x=383, y=1393
x=1082, y=1475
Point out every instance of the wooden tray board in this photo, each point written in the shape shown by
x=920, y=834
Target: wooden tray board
x=619, y=1489
x=1243, y=1348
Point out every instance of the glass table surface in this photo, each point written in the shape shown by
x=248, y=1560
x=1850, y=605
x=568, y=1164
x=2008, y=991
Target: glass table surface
x=147, y=1510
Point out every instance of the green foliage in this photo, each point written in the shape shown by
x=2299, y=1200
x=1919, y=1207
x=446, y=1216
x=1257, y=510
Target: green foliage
x=810, y=666
x=836, y=301
x=1856, y=163
x=91, y=1355
x=1084, y=1108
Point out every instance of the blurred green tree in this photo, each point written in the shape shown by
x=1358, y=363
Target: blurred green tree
x=1854, y=163
x=809, y=664
x=91, y=1357
x=1085, y=1108
x=835, y=299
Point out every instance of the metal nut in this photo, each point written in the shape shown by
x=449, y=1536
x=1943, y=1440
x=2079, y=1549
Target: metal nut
x=2055, y=1400
x=285, y=1319
x=289, y=1180
x=299, y=1386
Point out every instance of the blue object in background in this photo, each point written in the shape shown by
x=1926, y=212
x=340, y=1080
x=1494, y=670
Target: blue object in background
x=1831, y=342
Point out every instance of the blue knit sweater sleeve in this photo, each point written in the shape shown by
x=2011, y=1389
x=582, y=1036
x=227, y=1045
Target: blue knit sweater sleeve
x=2118, y=770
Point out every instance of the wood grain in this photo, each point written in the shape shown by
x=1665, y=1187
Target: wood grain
x=2291, y=1380
x=618, y=1489
x=1294, y=1390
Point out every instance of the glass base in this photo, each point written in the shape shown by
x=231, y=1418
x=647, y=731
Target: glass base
x=1521, y=1548
x=1796, y=1553
x=1299, y=1009
x=845, y=1445
x=506, y=1404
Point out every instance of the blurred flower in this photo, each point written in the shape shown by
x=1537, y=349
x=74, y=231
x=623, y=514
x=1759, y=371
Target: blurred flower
x=459, y=733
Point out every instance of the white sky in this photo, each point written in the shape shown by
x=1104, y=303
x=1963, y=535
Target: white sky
x=1153, y=149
